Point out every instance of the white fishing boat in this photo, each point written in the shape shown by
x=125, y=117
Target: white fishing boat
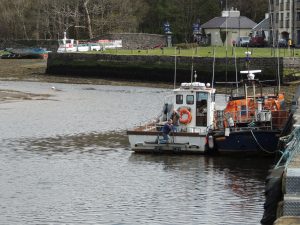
x=195, y=103
x=66, y=45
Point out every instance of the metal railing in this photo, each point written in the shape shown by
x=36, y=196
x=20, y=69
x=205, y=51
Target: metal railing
x=292, y=148
x=264, y=119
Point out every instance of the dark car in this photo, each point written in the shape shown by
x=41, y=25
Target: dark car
x=258, y=41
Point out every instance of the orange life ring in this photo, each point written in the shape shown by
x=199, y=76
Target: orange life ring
x=185, y=116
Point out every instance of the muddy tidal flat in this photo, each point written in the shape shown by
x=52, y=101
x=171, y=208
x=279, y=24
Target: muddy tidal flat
x=33, y=70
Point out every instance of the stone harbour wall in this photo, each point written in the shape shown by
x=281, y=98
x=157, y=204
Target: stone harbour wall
x=156, y=68
x=137, y=40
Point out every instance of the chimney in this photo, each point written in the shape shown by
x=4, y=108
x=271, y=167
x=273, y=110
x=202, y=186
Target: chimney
x=266, y=15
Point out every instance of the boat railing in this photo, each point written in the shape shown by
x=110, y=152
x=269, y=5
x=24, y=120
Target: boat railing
x=264, y=119
x=147, y=126
x=155, y=126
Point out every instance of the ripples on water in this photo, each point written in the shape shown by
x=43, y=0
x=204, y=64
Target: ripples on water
x=67, y=162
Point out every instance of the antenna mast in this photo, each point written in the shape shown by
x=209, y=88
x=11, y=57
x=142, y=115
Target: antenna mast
x=175, y=70
x=192, y=69
x=214, y=61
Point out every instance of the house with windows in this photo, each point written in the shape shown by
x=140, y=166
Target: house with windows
x=285, y=20
x=263, y=27
x=228, y=28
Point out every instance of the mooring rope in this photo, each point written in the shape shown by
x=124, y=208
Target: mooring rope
x=261, y=147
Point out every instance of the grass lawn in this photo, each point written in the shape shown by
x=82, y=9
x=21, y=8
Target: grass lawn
x=209, y=52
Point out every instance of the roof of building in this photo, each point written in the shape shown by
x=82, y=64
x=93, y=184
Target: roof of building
x=263, y=25
x=241, y=22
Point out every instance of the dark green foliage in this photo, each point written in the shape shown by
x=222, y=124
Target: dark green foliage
x=83, y=19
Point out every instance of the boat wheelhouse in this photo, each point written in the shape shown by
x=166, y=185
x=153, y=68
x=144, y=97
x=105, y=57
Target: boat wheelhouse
x=253, y=119
x=195, y=102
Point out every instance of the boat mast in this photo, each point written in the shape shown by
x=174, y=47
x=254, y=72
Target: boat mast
x=192, y=69
x=246, y=98
x=214, y=61
x=226, y=25
x=273, y=45
x=278, y=75
x=175, y=69
x=236, y=72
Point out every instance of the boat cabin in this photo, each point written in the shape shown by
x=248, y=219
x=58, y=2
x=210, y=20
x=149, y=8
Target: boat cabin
x=195, y=102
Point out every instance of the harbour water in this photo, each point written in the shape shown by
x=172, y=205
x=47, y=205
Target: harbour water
x=66, y=160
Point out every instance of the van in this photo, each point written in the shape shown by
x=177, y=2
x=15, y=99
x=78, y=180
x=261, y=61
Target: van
x=243, y=41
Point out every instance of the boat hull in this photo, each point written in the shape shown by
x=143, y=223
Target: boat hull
x=25, y=56
x=252, y=141
x=179, y=142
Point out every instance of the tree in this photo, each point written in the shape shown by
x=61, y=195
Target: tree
x=253, y=9
x=48, y=19
x=89, y=24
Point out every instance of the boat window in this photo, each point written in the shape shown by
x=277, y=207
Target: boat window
x=190, y=99
x=179, y=99
x=243, y=110
x=201, y=96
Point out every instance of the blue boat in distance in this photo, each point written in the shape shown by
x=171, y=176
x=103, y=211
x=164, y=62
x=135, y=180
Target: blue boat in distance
x=26, y=53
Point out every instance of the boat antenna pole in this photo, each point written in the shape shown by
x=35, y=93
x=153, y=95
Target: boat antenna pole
x=278, y=68
x=192, y=69
x=214, y=62
x=226, y=46
x=236, y=73
x=175, y=70
x=273, y=45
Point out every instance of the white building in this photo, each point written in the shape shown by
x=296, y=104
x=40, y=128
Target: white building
x=230, y=21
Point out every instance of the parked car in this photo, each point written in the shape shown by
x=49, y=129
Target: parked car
x=258, y=41
x=95, y=47
x=243, y=41
x=282, y=43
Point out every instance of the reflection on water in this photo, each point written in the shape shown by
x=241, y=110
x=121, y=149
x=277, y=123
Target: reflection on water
x=62, y=164
x=81, y=143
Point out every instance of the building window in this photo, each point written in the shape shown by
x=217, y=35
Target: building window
x=201, y=95
x=298, y=37
x=298, y=16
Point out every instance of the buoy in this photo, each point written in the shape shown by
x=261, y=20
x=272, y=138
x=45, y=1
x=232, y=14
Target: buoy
x=210, y=142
